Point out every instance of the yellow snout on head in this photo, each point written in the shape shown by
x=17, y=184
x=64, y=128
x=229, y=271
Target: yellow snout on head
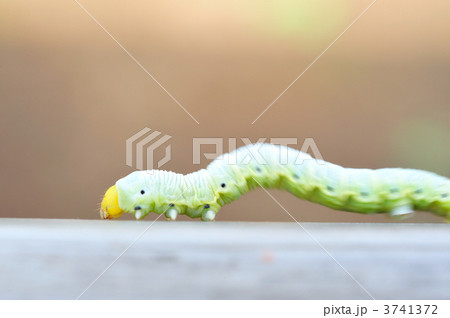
x=110, y=205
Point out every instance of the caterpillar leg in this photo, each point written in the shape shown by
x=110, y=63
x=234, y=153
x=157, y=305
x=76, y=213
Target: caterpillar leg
x=402, y=212
x=171, y=215
x=208, y=215
x=140, y=214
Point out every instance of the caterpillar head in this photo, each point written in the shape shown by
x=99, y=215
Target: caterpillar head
x=110, y=208
x=135, y=195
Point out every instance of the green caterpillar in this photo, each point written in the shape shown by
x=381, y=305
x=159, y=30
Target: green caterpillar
x=201, y=194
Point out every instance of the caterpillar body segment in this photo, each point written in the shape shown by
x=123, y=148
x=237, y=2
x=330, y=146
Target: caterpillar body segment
x=201, y=194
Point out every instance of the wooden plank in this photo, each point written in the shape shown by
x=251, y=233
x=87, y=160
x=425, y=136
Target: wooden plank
x=58, y=259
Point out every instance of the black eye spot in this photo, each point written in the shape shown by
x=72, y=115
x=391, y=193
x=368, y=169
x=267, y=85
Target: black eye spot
x=171, y=204
x=330, y=188
x=295, y=176
x=142, y=192
x=223, y=185
x=206, y=206
x=258, y=169
x=444, y=195
x=136, y=208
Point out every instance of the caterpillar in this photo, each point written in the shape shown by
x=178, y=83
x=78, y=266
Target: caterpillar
x=201, y=194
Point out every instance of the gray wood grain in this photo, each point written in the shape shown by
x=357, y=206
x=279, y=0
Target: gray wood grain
x=58, y=259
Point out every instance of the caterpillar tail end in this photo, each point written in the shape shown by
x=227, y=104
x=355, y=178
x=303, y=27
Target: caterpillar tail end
x=208, y=216
x=402, y=212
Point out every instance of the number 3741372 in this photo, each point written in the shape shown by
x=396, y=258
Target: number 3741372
x=410, y=309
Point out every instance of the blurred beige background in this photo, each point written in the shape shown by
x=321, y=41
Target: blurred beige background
x=70, y=96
